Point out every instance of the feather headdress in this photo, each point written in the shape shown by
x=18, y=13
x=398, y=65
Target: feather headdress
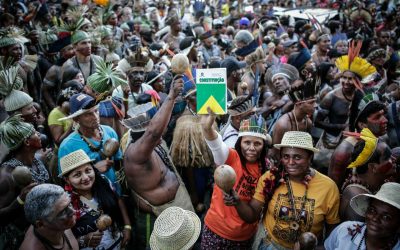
x=352, y=62
x=371, y=142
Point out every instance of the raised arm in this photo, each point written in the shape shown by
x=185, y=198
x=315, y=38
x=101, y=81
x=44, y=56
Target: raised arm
x=214, y=141
x=140, y=151
x=10, y=208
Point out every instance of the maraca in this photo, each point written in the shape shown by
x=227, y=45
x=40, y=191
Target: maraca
x=110, y=147
x=225, y=177
x=22, y=176
x=103, y=222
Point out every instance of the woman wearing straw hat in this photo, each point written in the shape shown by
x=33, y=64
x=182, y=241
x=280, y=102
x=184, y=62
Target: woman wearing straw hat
x=382, y=220
x=223, y=228
x=91, y=196
x=296, y=197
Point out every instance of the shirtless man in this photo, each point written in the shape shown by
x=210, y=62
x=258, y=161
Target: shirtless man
x=299, y=118
x=371, y=115
x=323, y=45
x=84, y=60
x=277, y=102
x=336, y=107
x=150, y=174
x=48, y=208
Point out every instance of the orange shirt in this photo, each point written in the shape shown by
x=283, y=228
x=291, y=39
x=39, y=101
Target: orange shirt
x=224, y=220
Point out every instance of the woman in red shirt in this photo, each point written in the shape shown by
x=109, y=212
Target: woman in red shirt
x=223, y=228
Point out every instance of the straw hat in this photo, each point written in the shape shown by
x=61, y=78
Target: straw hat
x=389, y=193
x=175, y=228
x=72, y=161
x=297, y=139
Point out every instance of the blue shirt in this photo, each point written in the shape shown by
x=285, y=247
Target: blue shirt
x=74, y=142
x=340, y=238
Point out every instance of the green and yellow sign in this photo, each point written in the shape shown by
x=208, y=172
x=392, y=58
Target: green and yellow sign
x=211, y=90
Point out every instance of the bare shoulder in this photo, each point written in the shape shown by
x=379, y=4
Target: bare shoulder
x=6, y=182
x=31, y=242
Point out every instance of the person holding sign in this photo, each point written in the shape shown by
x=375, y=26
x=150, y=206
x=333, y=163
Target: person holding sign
x=223, y=228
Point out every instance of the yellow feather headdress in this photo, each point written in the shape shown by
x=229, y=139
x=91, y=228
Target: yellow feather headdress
x=371, y=142
x=352, y=62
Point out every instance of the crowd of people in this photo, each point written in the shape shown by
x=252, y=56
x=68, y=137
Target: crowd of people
x=101, y=146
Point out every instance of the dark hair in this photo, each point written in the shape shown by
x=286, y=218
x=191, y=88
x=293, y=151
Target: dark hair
x=105, y=196
x=323, y=70
x=358, y=148
x=69, y=73
x=262, y=163
x=6, y=17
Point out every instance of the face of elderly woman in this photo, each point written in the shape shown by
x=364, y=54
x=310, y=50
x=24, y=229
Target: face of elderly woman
x=251, y=148
x=382, y=219
x=296, y=161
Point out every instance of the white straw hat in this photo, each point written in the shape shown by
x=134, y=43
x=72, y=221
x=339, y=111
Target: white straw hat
x=72, y=161
x=389, y=193
x=175, y=229
x=297, y=139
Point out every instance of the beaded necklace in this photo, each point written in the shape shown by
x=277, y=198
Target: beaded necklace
x=91, y=146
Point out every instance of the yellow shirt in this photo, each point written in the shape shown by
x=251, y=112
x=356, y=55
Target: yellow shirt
x=56, y=114
x=322, y=205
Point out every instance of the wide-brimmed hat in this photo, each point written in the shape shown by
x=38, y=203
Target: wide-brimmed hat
x=140, y=117
x=175, y=228
x=80, y=104
x=72, y=161
x=389, y=193
x=255, y=126
x=297, y=139
x=240, y=105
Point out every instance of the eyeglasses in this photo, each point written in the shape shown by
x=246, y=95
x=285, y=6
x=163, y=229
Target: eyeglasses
x=67, y=212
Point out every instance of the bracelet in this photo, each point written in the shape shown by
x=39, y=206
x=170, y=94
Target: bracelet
x=128, y=227
x=81, y=242
x=40, y=126
x=125, y=99
x=20, y=201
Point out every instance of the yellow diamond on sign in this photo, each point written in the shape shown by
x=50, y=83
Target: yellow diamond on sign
x=213, y=104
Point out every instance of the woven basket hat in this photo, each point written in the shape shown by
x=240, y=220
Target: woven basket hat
x=389, y=193
x=16, y=100
x=175, y=229
x=297, y=139
x=72, y=161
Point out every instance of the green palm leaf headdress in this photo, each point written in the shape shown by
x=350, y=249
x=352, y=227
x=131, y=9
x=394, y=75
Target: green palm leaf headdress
x=105, y=79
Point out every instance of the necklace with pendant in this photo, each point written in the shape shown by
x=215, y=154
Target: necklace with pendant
x=295, y=219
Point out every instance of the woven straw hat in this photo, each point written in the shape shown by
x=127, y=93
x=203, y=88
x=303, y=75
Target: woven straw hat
x=16, y=100
x=175, y=229
x=297, y=139
x=72, y=161
x=389, y=193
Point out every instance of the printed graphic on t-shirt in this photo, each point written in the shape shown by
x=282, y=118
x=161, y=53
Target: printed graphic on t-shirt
x=284, y=215
x=246, y=186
